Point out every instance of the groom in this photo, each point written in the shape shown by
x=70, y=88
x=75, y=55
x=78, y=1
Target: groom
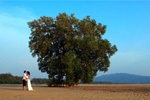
x=24, y=80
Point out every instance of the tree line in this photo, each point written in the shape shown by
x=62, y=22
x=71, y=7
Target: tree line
x=10, y=79
x=39, y=81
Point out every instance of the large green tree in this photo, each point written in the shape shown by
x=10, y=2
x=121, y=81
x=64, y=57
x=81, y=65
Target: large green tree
x=69, y=49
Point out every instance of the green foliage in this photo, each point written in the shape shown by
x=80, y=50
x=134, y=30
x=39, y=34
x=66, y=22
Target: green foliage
x=39, y=81
x=69, y=49
x=9, y=79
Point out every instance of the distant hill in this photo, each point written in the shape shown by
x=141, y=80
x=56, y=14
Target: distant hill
x=122, y=78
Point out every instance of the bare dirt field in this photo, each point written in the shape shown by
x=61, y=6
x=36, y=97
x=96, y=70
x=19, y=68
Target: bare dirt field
x=81, y=92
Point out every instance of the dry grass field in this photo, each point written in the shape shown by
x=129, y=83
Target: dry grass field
x=81, y=92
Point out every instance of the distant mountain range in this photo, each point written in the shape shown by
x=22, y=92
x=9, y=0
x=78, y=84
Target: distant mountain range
x=122, y=78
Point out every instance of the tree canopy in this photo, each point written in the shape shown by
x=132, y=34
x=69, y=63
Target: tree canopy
x=69, y=49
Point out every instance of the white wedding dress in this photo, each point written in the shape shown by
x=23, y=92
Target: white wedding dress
x=29, y=85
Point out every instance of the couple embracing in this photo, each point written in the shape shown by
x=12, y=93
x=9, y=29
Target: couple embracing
x=26, y=81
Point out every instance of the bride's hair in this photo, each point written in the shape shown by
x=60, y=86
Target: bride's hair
x=28, y=72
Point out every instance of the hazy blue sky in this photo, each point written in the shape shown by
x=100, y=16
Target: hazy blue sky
x=128, y=27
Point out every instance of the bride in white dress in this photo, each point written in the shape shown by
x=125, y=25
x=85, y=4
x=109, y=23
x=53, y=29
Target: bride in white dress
x=28, y=82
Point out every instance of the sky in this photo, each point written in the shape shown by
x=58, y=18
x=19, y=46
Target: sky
x=128, y=27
